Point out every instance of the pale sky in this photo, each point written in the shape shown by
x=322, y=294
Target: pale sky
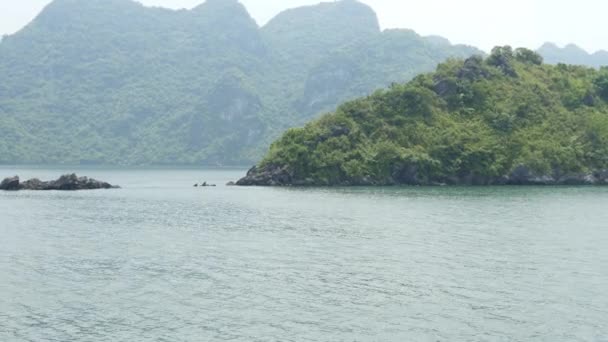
x=482, y=23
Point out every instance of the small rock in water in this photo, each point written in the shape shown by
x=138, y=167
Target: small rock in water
x=11, y=183
x=64, y=183
x=231, y=183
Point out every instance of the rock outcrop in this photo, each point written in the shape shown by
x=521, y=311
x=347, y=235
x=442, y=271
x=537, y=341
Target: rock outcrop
x=267, y=176
x=11, y=183
x=274, y=175
x=64, y=183
x=204, y=185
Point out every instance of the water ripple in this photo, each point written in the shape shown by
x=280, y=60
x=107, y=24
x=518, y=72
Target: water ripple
x=171, y=263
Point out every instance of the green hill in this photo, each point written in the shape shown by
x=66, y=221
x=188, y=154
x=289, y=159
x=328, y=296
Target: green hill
x=114, y=82
x=505, y=119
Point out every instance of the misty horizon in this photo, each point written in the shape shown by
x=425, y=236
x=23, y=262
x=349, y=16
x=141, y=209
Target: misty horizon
x=389, y=17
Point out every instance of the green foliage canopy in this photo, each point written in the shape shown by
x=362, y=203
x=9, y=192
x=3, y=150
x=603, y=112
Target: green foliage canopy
x=114, y=82
x=471, y=121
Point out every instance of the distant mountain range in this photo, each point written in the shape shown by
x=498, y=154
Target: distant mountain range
x=572, y=54
x=114, y=82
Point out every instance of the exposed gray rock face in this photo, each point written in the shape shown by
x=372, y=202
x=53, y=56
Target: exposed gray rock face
x=522, y=175
x=602, y=177
x=64, y=183
x=473, y=69
x=11, y=183
x=268, y=176
x=276, y=175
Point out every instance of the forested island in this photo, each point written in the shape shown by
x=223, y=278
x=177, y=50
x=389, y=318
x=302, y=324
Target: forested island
x=507, y=118
x=116, y=83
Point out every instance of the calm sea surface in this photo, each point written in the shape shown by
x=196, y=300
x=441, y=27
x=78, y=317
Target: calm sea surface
x=160, y=260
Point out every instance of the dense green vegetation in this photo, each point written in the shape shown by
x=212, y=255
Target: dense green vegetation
x=111, y=81
x=507, y=118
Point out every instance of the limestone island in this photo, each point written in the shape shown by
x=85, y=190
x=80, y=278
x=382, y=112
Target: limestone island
x=506, y=119
x=64, y=183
